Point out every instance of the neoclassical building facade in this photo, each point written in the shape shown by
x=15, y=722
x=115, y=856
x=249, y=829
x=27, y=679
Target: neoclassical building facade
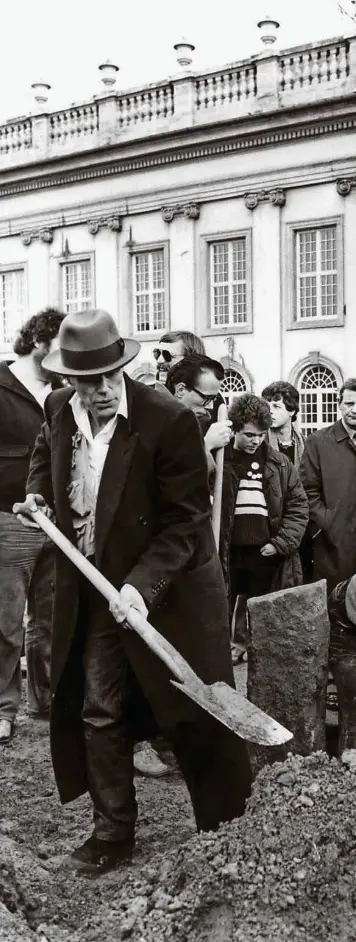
x=222, y=202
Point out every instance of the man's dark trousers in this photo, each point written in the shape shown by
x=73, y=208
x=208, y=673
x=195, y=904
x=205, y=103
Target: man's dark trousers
x=212, y=772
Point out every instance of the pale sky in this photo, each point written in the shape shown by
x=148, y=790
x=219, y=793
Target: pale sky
x=63, y=42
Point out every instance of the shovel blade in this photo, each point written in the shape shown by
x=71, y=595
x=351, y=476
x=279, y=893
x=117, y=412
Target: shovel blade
x=233, y=710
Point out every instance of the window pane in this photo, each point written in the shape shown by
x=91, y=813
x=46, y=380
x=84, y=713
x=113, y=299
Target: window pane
x=308, y=297
x=12, y=301
x=228, y=288
x=316, y=265
x=220, y=262
x=149, y=290
x=328, y=248
x=307, y=251
x=318, y=398
x=77, y=281
x=328, y=285
x=221, y=305
x=232, y=385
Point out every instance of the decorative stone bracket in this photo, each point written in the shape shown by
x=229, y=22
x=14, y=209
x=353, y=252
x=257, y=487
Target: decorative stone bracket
x=344, y=185
x=188, y=210
x=277, y=197
x=104, y=222
x=37, y=235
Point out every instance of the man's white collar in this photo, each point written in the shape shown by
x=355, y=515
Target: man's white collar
x=82, y=419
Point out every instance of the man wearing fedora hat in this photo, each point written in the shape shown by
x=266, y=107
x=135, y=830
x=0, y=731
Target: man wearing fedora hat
x=124, y=471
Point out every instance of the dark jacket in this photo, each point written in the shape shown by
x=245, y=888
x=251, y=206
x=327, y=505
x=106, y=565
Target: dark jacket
x=287, y=507
x=153, y=530
x=21, y=417
x=328, y=473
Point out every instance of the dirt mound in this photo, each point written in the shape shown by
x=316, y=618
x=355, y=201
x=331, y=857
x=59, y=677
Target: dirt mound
x=287, y=870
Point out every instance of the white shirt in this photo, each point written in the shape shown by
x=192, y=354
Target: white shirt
x=88, y=458
x=98, y=444
x=38, y=390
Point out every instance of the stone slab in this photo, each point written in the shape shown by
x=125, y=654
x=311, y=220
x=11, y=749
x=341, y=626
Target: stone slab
x=288, y=647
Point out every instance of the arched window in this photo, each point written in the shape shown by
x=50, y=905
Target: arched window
x=318, y=398
x=232, y=385
x=145, y=373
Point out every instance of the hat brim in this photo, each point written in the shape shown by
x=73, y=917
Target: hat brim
x=53, y=362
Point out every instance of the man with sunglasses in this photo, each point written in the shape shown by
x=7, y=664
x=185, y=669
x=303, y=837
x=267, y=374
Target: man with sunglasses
x=172, y=347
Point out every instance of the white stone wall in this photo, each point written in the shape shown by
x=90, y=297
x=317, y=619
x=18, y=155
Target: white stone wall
x=272, y=350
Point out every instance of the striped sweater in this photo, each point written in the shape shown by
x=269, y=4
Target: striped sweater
x=251, y=523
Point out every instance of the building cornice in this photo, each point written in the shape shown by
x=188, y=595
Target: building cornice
x=207, y=143
x=230, y=187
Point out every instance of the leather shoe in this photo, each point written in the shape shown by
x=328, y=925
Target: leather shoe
x=95, y=857
x=148, y=763
x=5, y=731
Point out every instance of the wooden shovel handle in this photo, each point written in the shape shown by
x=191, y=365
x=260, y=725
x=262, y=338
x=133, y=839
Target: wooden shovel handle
x=159, y=645
x=218, y=483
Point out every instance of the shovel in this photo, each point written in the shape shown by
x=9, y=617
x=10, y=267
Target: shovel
x=221, y=701
x=218, y=484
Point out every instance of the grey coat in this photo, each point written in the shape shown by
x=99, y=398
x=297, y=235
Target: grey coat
x=328, y=473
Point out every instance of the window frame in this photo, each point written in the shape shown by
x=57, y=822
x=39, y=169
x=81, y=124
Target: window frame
x=5, y=268
x=289, y=281
x=73, y=259
x=205, y=315
x=334, y=390
x=140, y=248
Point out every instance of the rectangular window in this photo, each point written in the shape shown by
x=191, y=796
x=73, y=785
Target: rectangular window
x=228, y=283
x=77, y=286
x=12, y=303
x=149, y=291
x=317, y=273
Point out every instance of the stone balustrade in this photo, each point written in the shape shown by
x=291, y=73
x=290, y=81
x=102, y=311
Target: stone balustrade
x=15, y=139
x=145, y=107
x=226, y=89
x=311, y=71
x=261, y=84
x=72, y=125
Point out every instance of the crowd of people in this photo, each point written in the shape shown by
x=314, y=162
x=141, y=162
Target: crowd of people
x=127, y=472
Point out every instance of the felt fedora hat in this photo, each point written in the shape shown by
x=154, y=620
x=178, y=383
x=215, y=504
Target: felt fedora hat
x=90, y=343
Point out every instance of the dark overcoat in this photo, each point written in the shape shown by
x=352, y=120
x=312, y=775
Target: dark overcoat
x=152, y=530
x=328, y=473
x=287, y=508
x=21, y=417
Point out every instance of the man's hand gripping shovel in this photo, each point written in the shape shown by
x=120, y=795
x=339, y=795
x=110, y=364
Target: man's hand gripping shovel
x=221, y=701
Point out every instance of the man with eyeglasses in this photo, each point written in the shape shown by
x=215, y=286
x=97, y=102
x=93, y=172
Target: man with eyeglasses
x=196, y=382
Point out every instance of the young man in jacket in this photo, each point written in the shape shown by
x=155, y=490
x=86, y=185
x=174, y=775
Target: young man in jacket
x=26, y=558
x=283, y=435
x=264, y=508
x=124, y=470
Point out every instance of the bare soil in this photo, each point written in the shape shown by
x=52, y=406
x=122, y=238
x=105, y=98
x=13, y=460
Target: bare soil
x=37, y=832
x=287, y=870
